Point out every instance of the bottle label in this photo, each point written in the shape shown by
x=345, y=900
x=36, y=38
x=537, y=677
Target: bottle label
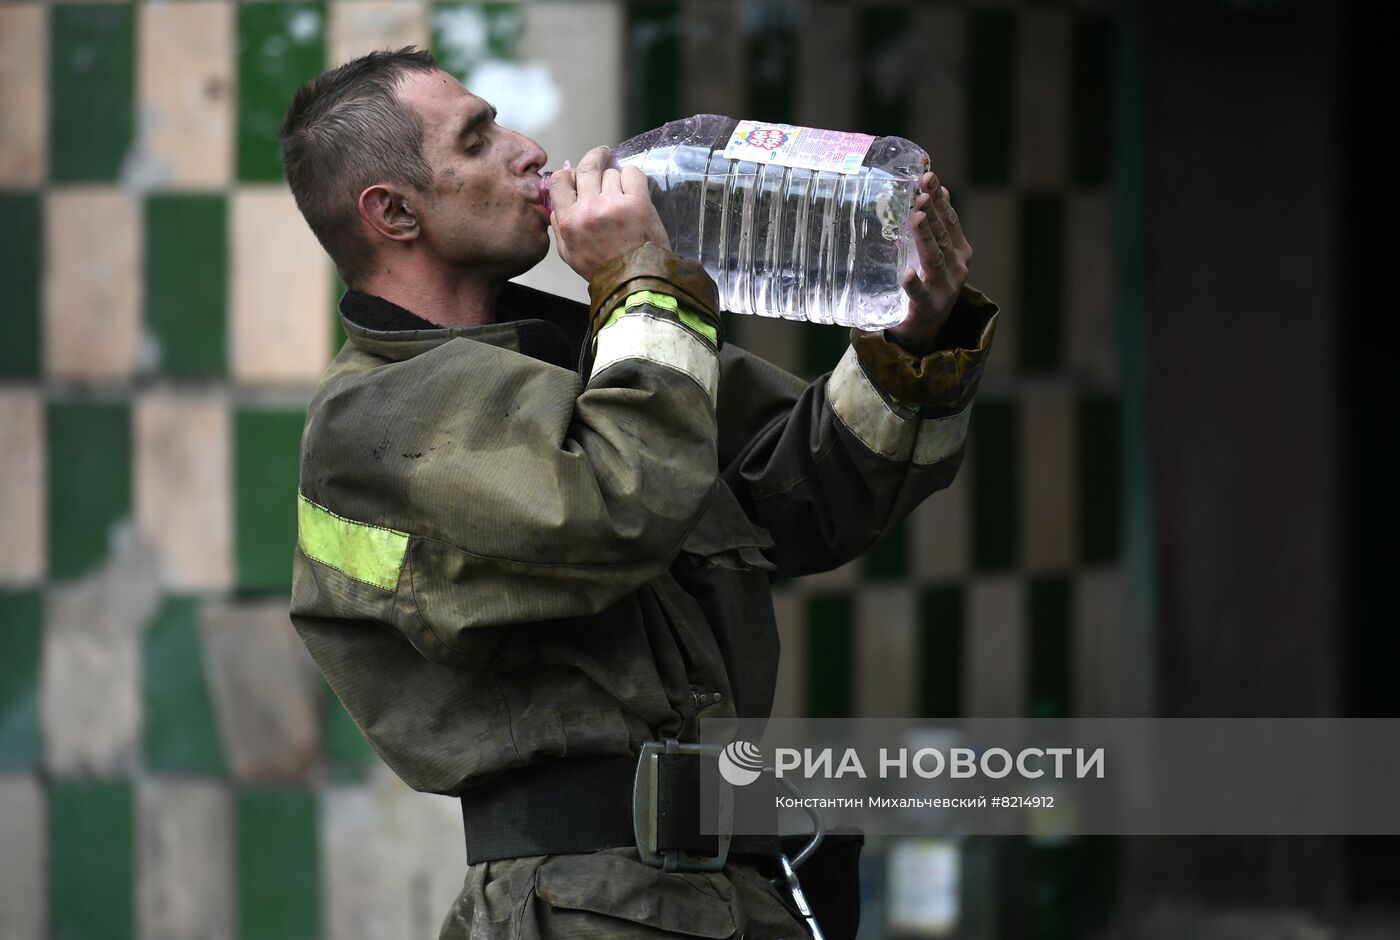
x=805, y=148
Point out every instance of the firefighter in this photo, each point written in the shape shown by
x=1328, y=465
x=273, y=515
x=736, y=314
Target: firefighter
x=535, y=536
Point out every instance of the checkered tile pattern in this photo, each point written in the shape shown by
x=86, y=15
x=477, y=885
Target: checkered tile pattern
x=170, y=763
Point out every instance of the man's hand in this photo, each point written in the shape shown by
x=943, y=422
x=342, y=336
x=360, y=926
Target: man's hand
x=601, y=213
x=945, y=256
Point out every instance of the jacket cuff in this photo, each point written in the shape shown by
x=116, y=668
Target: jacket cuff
x=653, y=268
x=944, y=381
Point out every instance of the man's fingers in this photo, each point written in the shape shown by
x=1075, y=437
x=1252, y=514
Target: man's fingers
x=919, y=295
x=931, y=256
x=634, y=182
x=562, y=192
x=948, y=217
x=590, y=171
x=924, y=204
x=612, y=181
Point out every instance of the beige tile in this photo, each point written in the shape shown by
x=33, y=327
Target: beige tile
x=989, y=217
x=92, y=283
x=391, y=860
x=778, y=341
x=1092, y=323
x=940, y=529
x=24, y=495
x=996, y=649
x=358, y=27
x=185, y=58
x=23, y=833
x=281, y=304
x=1047, y=481
x=827, y=81
x=185, y=875
x=937, y=114
x=838, y=579
x=712, y=59
x=790, y=699
x=886, y=618
x=252, y=655
x=1042, y=98
x=579, y=44
x=1107, y=660
x=90, y=693
x=183, y=493
x=24, y=71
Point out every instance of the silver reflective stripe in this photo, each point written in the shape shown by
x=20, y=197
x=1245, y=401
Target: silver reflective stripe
x=641, y=336
x=940, y=438
x=865, y=413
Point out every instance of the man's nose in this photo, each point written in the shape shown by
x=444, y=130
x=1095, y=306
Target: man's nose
x=532, y=156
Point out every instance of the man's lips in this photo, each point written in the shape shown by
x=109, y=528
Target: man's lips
x=545, y=202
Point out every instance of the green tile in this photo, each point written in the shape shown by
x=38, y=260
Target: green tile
x=92, y=877
x=187, y=282
x=89, y=482
x=180, y=732
x=1091, y=141
x=830, y=656
x=1100, y=478
x=21, y=638
x=458, y=31
x=941, y=654
x=1051, y=649
x=996, y=488
x=1074, y=885
x=348, y=754
x=266, y=458
x=651, y=65
x=280, y=47
x=770, y=47
x=92, y=90
x=1051, y=874
x=20, y=264
x=889, y=559
x=1040, y=277
x=1098, y=863
x=822, y=348
x=278, y=875
x=990, y=100
x=883, y=105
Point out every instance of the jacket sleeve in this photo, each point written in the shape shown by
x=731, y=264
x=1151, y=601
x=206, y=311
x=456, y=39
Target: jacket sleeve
x=829, y=468
x=472, y=486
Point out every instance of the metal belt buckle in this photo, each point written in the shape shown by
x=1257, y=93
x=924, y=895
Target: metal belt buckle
x=645, y=805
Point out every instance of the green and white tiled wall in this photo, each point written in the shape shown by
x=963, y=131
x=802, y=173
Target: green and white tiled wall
x=170, y=763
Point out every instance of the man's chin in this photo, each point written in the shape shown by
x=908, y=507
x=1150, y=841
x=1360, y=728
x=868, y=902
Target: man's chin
x=528, y=260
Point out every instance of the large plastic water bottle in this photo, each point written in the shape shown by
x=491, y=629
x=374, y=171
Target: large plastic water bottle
x=790, y=221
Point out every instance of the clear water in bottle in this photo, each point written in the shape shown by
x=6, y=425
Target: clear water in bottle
x=823, y=238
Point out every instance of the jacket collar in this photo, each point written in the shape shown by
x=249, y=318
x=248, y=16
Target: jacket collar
x=529, y=321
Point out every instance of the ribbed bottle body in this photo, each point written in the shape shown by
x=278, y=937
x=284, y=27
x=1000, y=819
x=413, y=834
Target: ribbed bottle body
x=782, y=241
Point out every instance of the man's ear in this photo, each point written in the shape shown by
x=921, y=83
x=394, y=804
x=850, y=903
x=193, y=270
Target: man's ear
x=389, y=212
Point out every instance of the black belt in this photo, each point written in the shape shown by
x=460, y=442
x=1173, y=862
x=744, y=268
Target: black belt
x=583, y=804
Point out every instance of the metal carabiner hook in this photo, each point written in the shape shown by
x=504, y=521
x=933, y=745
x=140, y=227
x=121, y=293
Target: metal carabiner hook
x=799, y=897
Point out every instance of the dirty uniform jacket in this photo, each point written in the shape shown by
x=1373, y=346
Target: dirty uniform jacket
x=503, y=561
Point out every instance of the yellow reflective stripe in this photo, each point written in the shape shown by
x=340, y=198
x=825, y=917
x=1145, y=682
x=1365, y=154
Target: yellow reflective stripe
x=367, y=553
x=696, y=323
x=664, y=302
x=913, y=408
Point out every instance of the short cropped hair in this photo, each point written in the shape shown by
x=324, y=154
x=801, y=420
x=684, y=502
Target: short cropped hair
x=344, y=132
